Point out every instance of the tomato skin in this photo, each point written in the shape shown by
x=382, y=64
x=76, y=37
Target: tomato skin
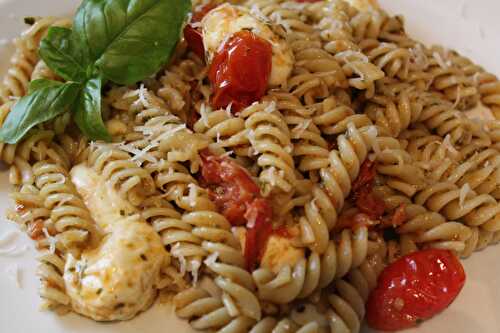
x=238, y=198
x=366, y=176
x=231, y=187
x=369, y=204
x=194, y=40
x=259, y=214
x=240, y=71
x=414, y=288
x=193, y=36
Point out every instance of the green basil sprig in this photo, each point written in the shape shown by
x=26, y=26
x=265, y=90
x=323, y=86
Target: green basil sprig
x=123, y=41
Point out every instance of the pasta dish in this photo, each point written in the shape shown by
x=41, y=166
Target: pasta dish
x=274, y=166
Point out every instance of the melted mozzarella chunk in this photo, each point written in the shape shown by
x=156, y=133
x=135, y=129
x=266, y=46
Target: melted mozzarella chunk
x=279, y=252
x=116, y=280
x=222, y=22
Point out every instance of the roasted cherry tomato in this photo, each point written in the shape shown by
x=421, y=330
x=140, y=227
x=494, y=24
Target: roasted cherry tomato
x=259, y=215
x=366, y=176
x=240, y=71
x=194, y=40
x=192, y=35
x=362, y=192
x=231, y=187
x=414, y=288
x=238, y=198
x=369, y=204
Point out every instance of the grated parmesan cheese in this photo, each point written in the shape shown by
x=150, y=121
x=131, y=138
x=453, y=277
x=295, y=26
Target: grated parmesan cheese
x=439, y=60
x=448, y=145
x=464, y=191
x=255, y=11
x=276, y=17
x=301, y=128
x=271, y=107
x=211, y=259
x=227, y=153
x=351, y=55
x=204, y=110
x=52, y=240
x=313, y=205
x=228, y=110
x=195, y=269
x=176, y=253
x=193, y=194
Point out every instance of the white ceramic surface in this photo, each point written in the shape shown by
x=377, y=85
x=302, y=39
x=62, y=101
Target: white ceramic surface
x=471, y=27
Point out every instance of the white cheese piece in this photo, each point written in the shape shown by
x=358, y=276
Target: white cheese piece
x=117, y=279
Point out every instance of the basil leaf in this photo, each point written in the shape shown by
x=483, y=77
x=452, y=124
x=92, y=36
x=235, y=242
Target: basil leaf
x=130, y=39
x=41, y=105
x=61, y=52
x=42, y=83
x=88, y=115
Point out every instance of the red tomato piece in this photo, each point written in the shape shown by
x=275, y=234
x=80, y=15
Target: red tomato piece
x=240, y=71
x=369, y=204
x=193, y=36
x=194, y=40
x=398, y=218
x=238, y=198
x=366, y=175
x=232, y=188
x=414, y=288
x=259, y=215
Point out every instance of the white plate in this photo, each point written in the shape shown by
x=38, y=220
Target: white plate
x=469, y=26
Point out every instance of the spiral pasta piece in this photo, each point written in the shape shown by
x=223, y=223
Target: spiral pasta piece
x=315, y=272
x=489, y=88
x=449, y=80
x=131, y=181
x=70, y=217
x=333, y=19
x=226, y=261
x=424, y=228
x=270, y=140
x=177, y=237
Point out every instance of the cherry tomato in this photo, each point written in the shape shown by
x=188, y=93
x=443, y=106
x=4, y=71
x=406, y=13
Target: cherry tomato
x=259, y=215
x=362, y=191
x=238, y=198
x=240, y=71
x=194, y=40
x=231, y=187
x=414, y=288
x=193, y=36
x=366, y=175
x=369, y=204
